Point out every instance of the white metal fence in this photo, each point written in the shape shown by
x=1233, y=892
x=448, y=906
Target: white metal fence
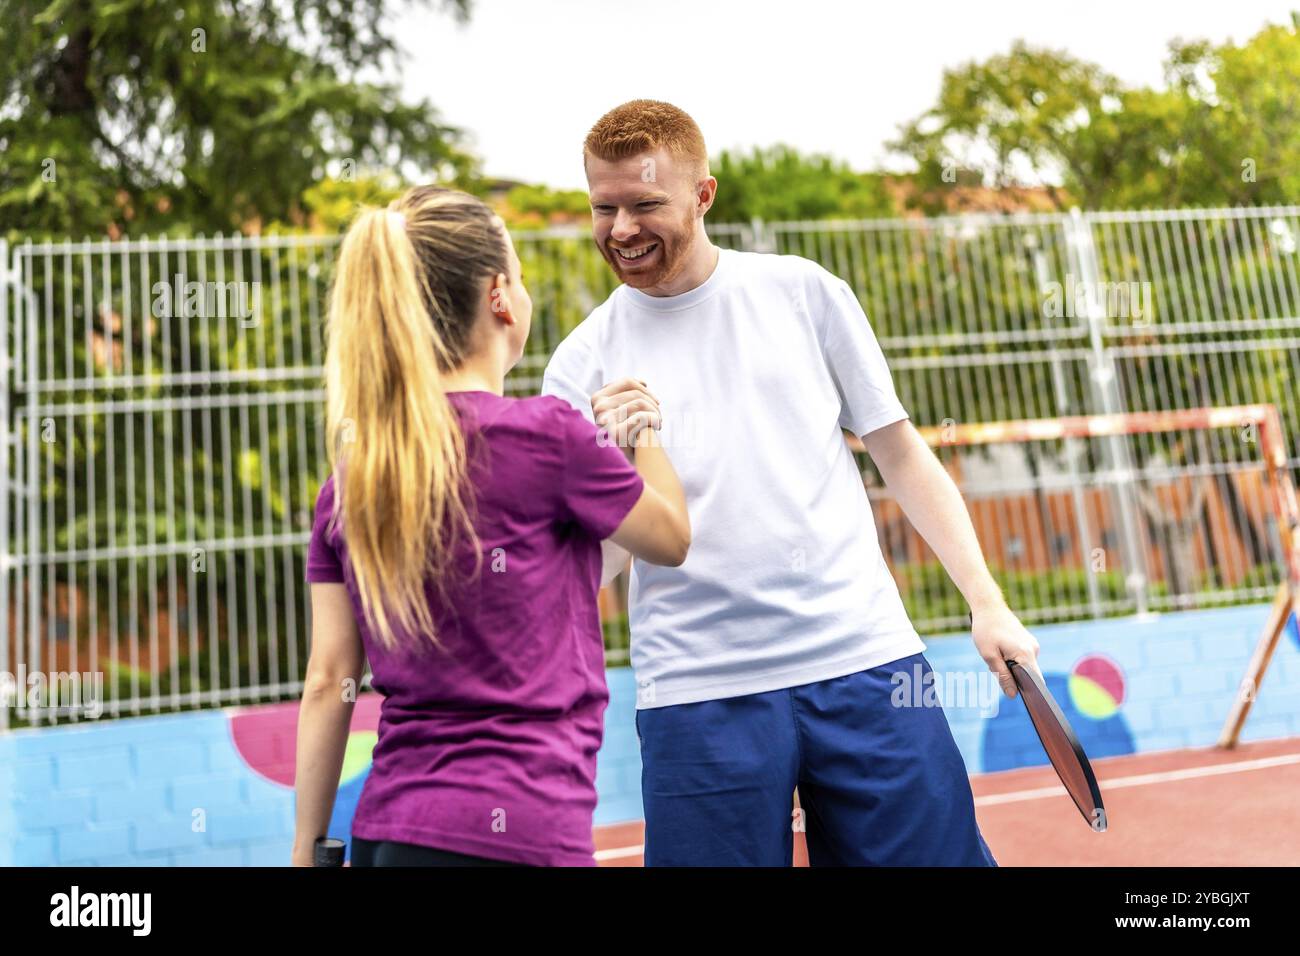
x=161, y=410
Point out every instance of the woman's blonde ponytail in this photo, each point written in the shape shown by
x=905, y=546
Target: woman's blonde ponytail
x=400, y=312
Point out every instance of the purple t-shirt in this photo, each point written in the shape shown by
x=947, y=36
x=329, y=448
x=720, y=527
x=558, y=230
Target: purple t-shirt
x=488, y=747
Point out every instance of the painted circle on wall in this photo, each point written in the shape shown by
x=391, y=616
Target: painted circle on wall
x=356, y=758
x=1096, y=686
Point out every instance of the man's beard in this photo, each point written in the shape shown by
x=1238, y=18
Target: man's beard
x=672, y=260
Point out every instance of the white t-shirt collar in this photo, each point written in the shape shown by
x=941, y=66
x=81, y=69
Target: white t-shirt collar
x=687, y=299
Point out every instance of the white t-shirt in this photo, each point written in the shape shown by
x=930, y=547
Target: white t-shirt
x=756, y=370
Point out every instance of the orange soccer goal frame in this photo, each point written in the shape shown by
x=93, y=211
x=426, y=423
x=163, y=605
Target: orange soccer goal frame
x=1282, y=497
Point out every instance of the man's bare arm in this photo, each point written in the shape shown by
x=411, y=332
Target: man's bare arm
x=934, y=505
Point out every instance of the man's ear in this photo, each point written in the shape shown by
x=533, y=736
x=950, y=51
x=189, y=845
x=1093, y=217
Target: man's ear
x=705, y=192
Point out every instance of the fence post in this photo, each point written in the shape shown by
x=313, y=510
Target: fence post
x=1073, y=446
x=1105, y=389
x=758, y=238
x=6, y=437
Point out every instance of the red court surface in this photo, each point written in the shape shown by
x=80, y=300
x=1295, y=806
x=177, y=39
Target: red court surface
x=1203, y=807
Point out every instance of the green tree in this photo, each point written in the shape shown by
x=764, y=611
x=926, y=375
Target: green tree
x=131, y=116
x=535, y=205
x=331, y=204
x=778, y=182
x=1239, y=122
x=1224, y=131
x=1016, y=116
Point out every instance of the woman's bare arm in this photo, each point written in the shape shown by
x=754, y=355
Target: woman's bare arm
x=334, y=673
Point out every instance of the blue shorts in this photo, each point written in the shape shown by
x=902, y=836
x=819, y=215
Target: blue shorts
x=879, y=784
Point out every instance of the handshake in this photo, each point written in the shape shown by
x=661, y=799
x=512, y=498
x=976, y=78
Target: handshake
x=626, y=414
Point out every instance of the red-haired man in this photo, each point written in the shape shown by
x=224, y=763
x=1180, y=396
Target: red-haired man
x=778, y=655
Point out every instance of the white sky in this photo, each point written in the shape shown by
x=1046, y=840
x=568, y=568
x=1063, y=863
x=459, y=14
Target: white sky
x=528, y=78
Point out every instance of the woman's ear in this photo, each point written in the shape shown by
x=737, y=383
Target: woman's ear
x=499, y=298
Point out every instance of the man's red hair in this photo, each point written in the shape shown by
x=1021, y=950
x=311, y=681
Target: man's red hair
x=642, y=126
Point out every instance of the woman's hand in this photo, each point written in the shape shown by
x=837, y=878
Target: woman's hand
x=623, y=408
x=301, y=856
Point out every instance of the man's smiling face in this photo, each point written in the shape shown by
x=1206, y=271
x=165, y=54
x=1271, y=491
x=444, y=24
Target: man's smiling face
x=644, y=211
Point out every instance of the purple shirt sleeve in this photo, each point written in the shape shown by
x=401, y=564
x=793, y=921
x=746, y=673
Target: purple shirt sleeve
x=323, y=564
x=599, y=486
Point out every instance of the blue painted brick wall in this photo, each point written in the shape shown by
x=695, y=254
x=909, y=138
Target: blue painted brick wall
x=1180, y=674
x=125, y=792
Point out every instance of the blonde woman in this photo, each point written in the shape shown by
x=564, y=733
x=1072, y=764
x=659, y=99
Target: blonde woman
x=457, y=547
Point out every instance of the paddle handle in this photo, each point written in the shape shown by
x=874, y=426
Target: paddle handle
x=327, y=851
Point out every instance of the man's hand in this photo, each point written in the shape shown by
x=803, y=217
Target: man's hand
x=623, y=408
x=1000, y=637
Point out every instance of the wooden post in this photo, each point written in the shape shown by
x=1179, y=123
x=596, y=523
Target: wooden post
x=1248, y=689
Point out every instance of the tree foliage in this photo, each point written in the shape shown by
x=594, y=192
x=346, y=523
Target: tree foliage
x=1224, y=130
x=781, y=183
x=131, y=116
